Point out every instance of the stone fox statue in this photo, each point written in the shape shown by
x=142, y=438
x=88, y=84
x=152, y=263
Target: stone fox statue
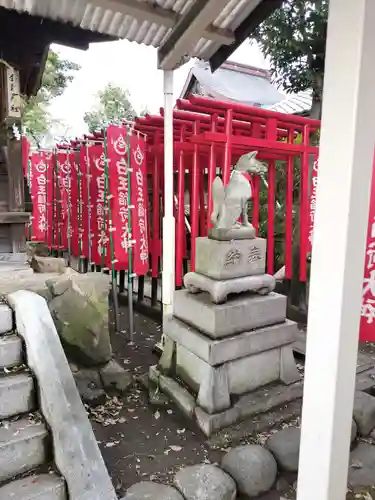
x=230, y=202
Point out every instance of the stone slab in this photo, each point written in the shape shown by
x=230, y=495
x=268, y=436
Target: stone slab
x=247, y=406
x=178, y=394
x=236, y=233
x=17, y=395
x=10, y=351
x=243, y=313
x=219, y=290
x=35, y=487
x=244, y=374
x=223, y=260
x=22, y=448
x=216, y=352
x=76, y=453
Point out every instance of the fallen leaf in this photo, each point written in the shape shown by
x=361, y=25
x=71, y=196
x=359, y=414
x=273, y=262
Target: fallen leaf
x=157, y=415
x=175, y=448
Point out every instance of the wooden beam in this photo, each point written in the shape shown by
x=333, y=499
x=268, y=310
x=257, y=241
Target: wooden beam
x=168, y=18
x=187, y=32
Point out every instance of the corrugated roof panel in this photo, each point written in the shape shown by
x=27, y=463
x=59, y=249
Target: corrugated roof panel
x=120, y=25
x=295, y=103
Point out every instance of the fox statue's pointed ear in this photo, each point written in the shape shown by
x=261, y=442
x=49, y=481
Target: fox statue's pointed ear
x=253, y=154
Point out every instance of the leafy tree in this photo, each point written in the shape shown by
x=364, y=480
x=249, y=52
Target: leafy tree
x=58, y=73
x=293, y=39
x=112, y=106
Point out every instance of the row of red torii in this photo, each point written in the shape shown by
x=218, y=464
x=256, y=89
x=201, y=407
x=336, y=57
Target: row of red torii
x=84, y=207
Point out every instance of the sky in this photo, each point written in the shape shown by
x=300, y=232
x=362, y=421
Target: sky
x=129, y=65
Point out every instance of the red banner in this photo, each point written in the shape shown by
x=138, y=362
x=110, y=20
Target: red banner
x=64, y=160
x=367, y=325
x=85, y=201
x=51, y=231
x=139, y=200
x=312, y=204
x=39, y=196
x=74, y=210
x=99, y=223
x=118, y=188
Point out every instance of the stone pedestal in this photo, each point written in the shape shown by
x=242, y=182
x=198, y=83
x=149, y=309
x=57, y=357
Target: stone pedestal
x=229, y=336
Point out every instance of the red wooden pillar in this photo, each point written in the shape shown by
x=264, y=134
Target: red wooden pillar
x=304, y=204
x=271, y=136
x=211, y=172
x=289, y=212
x=180, y=233
x=194, y=196
x=228, y=146
x=256, y=132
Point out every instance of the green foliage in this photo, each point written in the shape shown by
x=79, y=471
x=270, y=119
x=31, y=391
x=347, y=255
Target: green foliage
x=58, y=73
x=293, y=39
x=113, y=106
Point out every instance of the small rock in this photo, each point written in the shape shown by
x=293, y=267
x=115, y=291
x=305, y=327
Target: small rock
x=284, y=445
x=47, y=264
x=89, y=386
x=252, y=467
x=207, y=482
x=147, y=490
x=362, y=466
x=364, y=412
x=114, y=377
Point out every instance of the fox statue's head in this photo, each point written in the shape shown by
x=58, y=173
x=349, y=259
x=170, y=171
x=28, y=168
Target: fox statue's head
x=249, y=163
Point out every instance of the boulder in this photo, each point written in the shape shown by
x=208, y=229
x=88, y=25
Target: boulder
x=48, y=264
x=205, y=481
x=364, y=412
x=252, y=467
x=79, y=308
x=37, y=248
x=115, y=378
x=147, y=490
x=284, y=446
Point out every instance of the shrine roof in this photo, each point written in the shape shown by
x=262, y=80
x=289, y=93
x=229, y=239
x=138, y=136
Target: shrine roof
x=207, y=29
x=235, y=83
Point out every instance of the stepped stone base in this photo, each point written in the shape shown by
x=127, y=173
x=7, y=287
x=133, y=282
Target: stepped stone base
x=246, y=406
x=243, y=313
x=238, y=368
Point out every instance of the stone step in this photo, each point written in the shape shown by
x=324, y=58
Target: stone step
x=10, y=351
x=35, y=487
x=23, y=446
x=17, y=395
x=6, y=319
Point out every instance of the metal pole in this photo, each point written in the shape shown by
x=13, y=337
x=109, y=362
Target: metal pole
x=168, y=271
x=130, y=246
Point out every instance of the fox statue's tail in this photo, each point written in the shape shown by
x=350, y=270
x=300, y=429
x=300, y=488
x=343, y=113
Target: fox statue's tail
x=218, y=196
